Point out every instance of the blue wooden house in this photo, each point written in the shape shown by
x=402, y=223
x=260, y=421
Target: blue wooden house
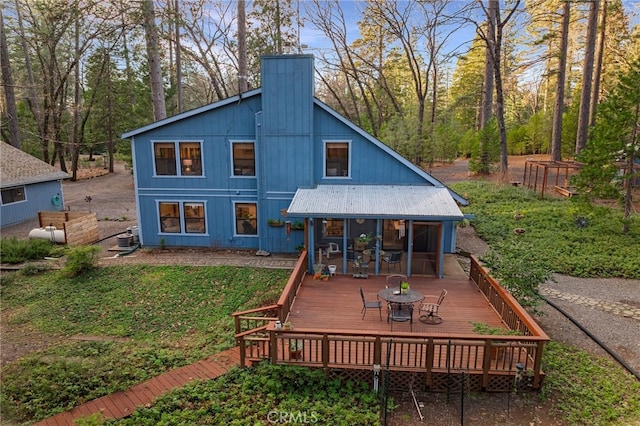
x=28, y=185
x=224, y=174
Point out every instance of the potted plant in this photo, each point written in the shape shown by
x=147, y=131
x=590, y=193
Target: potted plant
x=404, y=287
x=362, y=241
x=297, y=226
x=317, y=271
x=275, y=222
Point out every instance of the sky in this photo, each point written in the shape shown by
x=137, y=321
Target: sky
x=315, y=40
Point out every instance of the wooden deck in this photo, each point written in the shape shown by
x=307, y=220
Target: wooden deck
x=329, y=332
x=336, y=305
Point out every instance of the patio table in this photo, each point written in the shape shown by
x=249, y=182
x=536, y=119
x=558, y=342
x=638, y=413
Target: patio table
x=395, y=296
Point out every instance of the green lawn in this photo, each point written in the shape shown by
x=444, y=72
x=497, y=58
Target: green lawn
x=157, y=318
x=163, y=317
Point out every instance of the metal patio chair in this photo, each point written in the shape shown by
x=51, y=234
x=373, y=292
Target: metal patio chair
x=400, y=312
x=370, y=304
x=429, y=311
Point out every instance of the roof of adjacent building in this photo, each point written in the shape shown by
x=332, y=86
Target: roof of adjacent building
x=379, y=201
x=19, y=168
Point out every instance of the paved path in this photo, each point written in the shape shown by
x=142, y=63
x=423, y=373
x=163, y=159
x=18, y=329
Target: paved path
x=123, y=404
x=196, y=257
x=615, y=308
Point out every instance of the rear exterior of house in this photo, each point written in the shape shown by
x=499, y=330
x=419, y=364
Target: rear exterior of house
x=28, y=185
x=218, y=176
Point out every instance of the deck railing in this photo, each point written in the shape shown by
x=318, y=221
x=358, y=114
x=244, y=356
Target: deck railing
x=250, y=325
x=426, y=353
x=432, y=354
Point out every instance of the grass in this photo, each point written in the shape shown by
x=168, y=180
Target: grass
x=568, y=236
x=572, y=237
x=165, y=317
x=589, y=389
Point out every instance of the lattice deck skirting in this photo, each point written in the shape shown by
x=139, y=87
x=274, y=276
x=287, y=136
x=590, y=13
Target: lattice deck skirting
x=440, y=381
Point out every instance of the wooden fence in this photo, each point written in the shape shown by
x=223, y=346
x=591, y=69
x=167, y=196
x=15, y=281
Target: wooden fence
x=79, y=228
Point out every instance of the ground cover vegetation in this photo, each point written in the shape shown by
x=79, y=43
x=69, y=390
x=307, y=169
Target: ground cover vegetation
x=146, y=320
x=156, y=318
x=265, y=394
x=569, y=236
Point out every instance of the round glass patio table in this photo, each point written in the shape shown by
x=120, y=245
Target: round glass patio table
x=393, y=295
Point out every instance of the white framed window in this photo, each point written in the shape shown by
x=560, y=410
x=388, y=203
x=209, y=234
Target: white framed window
x=337, y=159
x=246, y=218
x=173, y=158
x=243, y=158
x=13, y=195
x=178, y=217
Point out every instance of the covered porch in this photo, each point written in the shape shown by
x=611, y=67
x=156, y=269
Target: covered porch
x=329, y=331
x=357, y=227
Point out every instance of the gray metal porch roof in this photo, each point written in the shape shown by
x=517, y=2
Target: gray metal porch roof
x=376, y=201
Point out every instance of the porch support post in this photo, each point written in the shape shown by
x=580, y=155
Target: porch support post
x=441, y=250
x=312, y=245
x=409, y=247
x=344, y=245
x=378, y=245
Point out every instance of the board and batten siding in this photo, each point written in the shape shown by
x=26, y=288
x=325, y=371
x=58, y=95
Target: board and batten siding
x=38, y=197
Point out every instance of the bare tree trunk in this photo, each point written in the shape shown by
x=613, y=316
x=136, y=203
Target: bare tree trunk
x=558, y=108
x=628, y=195
x=178, y=57
x=7, y=82
x=153, y=56
x=34, y=105
x=597, y=72
x=587, y=77
x=110, y=142
x=504, y=166
x=495, y=26
x=486, y=112
x=242, y=47
x=75, y=151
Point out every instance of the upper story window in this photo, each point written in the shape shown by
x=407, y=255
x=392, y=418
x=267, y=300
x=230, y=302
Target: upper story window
x=13, y=195
x=187, y=162
x=246, y=218
x=337, y=160
x=244, y=158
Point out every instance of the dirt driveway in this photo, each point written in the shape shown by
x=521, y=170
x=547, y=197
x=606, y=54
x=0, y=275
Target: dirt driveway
x=109, y=195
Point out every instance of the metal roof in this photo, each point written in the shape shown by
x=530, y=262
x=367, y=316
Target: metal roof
x=379, y=201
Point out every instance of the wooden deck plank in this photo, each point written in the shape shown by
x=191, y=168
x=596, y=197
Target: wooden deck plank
x=336, y=304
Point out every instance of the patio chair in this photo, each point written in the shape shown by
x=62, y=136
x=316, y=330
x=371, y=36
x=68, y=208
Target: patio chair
x=395, y=280
x=393, y=258
x=370, y=304
x=400, y=312
x=428, y=311
x=332, y=249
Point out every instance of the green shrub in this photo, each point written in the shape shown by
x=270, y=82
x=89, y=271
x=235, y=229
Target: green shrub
x=13, y=250
x=81, y=259
x=34, y=269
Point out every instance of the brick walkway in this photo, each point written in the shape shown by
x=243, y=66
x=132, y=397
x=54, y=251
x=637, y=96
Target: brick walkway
x=122, y=404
